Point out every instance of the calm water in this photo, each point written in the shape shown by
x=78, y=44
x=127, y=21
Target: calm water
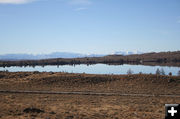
x=96, y=69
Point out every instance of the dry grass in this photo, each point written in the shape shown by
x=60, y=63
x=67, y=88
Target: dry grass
x=82, y=106
x=85, y=106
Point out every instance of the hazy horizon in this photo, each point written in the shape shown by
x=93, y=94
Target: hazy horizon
x=115, y=52
x=88, y=26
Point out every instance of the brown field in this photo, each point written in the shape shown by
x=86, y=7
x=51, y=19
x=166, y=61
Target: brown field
x=79, y=106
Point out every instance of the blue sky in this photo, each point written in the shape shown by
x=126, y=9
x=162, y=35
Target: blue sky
x=89, y=26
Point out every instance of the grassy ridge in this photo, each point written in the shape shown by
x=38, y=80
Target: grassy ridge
x=50, y=81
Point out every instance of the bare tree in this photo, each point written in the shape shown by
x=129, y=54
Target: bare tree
x=129, y=72
x=162, y=71
x=158, y=72
x=170, y=78
x=178, y=73
x=170, y=73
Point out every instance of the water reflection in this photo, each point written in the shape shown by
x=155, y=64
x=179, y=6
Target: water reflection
x=96, y=69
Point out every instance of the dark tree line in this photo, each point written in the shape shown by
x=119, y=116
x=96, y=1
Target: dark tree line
x=147, y=58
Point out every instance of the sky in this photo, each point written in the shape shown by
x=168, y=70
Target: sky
x=89, y=26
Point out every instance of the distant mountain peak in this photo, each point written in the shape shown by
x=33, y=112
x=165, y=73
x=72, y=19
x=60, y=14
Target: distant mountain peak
x=126, y=52
x=46, y=56
x=60, y=55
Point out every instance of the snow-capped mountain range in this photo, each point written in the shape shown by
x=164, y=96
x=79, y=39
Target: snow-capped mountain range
x=58, y=55
x=126, y=52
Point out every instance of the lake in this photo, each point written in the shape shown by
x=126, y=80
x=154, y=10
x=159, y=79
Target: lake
x=95, y=69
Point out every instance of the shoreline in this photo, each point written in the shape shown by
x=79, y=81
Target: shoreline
x=60, y=81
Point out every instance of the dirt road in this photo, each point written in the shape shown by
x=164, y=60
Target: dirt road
x=86, y=93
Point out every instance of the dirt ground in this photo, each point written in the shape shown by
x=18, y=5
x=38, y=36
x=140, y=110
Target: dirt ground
x=54, y=106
